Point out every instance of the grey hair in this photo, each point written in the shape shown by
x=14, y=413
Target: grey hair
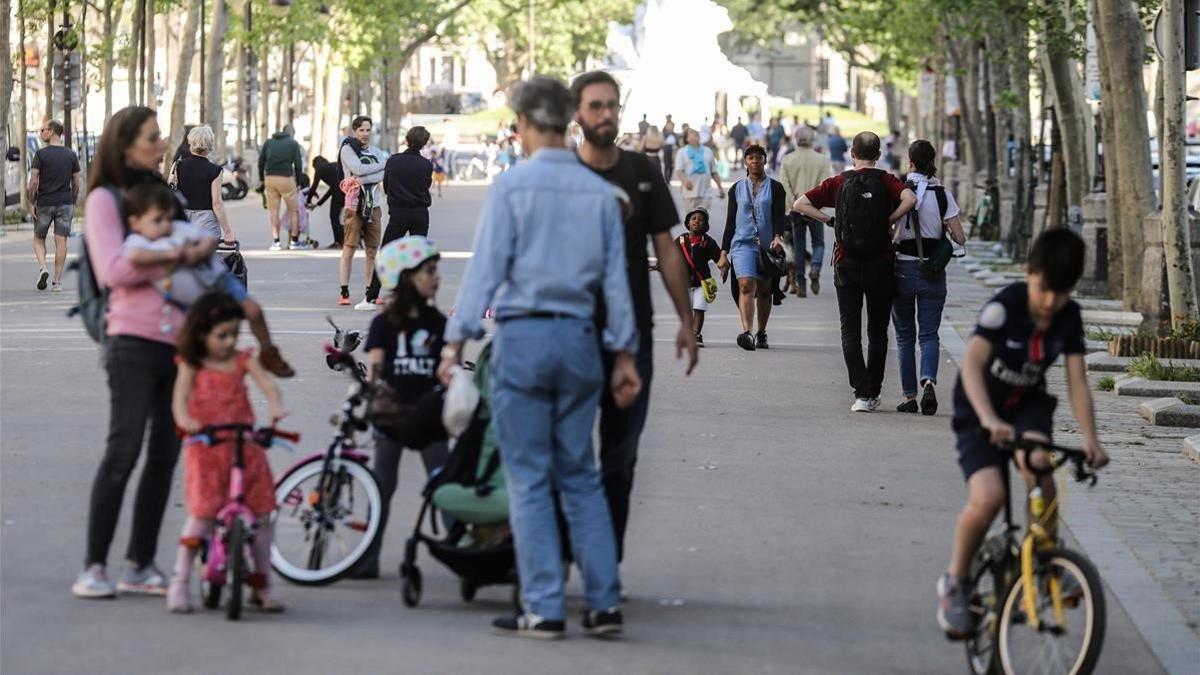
x=201, y=139
x=544, y=101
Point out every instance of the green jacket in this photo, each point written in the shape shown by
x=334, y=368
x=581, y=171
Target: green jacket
x=280, y=156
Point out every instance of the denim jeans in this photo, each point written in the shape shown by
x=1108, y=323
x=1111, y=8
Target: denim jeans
x=546, y=382
x=620, y=431
x=816, y=232
x=915, y=293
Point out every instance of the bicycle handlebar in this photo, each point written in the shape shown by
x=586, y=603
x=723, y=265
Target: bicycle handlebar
x=261, y=435
x=1059, y=455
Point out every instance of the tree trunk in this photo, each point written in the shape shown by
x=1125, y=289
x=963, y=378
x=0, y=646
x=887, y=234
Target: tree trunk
x=264, y=97
x=133, y=65
x=1112, y=210
x=1177, y=245
x=214, y=72
x=6, y=68
x=392, y=101
x=966, y=73
x=891, y=100
x=318, y=142
x=183, y=77
x=1070, y=105
x=148, y=77
x=1123, y=38
x=107, y=63
x=1019, y=71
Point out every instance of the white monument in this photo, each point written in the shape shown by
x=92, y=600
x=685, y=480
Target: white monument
x=669, y=62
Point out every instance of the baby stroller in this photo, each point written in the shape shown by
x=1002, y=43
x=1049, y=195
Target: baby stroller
x=470, y=490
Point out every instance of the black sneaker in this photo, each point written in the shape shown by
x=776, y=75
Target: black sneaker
x=603, y=624
x=909, y=406
x=699, y=340
x=760, y=340
x=746, y=341
x=929, y=400
x=530, y=626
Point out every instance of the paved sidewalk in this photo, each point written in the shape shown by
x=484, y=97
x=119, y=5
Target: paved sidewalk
x=1141, y=523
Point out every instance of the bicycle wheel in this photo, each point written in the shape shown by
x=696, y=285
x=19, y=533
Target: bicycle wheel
x=991, y=585
x=324, y=523
x=237, y=569
x=1069, y=648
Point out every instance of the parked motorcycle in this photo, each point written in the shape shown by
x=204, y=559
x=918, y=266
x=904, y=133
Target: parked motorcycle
x=234, y=180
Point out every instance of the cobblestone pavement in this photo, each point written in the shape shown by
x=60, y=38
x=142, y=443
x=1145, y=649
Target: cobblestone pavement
x=1149, y=495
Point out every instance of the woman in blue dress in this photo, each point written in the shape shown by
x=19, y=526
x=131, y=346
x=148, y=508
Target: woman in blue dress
x=755, y=220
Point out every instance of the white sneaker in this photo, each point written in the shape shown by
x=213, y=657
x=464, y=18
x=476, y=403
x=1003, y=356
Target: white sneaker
x=276, y=247
x=366, y=306
x=93, y=583
x=864, y=405
x=874, y=403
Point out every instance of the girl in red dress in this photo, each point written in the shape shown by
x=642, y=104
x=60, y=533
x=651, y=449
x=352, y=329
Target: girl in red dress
x=210, y=389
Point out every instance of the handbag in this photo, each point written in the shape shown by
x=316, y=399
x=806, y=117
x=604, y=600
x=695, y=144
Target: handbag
x=384, y=409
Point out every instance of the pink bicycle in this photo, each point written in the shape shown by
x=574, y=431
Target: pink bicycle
x=226, y=557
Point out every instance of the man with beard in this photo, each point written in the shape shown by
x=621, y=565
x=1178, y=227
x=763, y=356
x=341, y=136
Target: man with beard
x=648, y=211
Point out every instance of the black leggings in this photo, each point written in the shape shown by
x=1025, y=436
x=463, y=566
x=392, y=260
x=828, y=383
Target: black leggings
x=401, y=223
x=141, y=375
x=335, y=220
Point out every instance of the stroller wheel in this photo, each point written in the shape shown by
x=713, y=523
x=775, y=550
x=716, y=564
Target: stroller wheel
x=466, y=590
x=410, y=589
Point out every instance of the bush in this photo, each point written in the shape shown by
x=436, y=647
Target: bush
x=1149, y=367
x=1190, y=330
x=1106, y=383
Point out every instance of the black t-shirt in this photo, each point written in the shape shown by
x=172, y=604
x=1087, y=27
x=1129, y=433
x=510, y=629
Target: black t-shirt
x=703, y=253
x=1020, y=353
x=55, y=165
x=196, y=175
x=411, y=354
x=648, y=209
x=331, y=175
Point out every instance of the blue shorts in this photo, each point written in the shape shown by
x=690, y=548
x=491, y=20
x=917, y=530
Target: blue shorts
x=745, y=261
x=1034, y=413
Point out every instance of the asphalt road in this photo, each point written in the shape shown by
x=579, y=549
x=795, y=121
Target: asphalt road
x=773, y=531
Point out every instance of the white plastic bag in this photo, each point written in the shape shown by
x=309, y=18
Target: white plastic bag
x=461, y=400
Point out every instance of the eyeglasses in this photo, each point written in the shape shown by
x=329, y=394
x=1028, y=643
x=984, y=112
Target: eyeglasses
x=597, y=106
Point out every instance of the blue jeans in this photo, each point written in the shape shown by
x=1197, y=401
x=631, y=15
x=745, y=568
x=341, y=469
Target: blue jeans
x=925, y=298
x=816, y=232
x=546, y=383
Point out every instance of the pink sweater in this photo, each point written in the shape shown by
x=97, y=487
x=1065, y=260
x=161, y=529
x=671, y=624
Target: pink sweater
x=135, y=305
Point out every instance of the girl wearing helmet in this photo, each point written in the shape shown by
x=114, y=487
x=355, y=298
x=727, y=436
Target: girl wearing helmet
x=403, y=348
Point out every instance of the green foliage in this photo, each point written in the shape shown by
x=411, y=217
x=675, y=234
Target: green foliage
x=1106, y=383
x=1189, y=330
x=1149, y=367
x=567, y=32
x=849, y=122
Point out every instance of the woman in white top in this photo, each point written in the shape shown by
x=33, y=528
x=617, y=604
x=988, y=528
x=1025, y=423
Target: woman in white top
x=922, y=294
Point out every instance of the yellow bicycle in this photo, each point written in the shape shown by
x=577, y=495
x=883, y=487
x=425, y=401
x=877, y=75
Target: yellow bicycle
x=1039, y=607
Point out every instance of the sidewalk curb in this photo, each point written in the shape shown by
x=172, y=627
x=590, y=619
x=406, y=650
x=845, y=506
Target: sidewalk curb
x=1153, y=613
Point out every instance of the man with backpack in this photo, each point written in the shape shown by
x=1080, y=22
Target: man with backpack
x=868, y=202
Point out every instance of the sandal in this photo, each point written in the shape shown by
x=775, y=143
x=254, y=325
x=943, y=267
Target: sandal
x=267, y=607
x=177, y=597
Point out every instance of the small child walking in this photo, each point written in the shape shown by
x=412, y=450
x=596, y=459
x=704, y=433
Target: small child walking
x=210, y=389
x=699, y=250
x=154, y=238
x=438, y=157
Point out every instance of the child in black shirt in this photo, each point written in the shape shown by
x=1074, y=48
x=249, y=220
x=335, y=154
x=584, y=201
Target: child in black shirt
x=1001, y=394
x=403, y=348
x=699, y=250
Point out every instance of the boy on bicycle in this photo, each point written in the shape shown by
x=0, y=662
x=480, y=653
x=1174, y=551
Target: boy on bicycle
x=1001, y=395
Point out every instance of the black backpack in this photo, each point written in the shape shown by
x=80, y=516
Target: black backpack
x=864, y=206
x=92, y=307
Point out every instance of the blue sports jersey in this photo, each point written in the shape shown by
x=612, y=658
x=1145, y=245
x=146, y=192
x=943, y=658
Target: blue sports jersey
x=1020, y=353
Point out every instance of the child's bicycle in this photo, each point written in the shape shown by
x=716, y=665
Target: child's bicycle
x=328, y=505
x=1039, y=607
x=227, y=560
